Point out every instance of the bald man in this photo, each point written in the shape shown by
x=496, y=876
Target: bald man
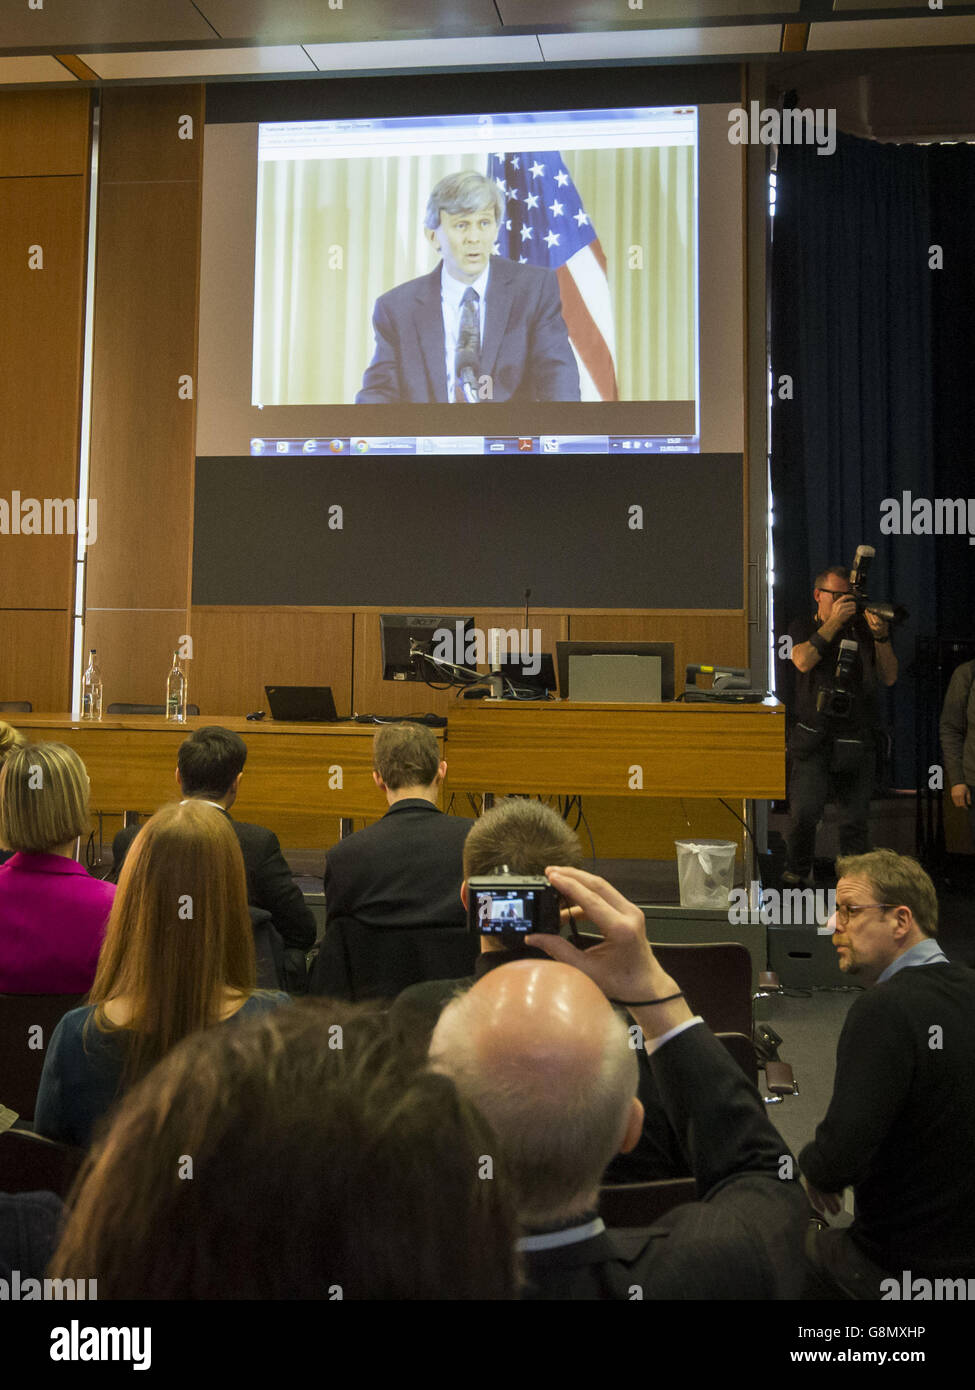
x=526, y=835
x=543, y=1054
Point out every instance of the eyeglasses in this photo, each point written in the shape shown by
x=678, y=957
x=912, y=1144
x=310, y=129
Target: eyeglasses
x=835, y=592
x=846, y=911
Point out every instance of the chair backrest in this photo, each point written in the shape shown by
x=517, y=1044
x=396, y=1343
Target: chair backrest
x=643, y=1203
x=23, y=1049
x=716, y=980
x=123, y=708
x=16, y=707
x=359, y=962
x=31, y=1163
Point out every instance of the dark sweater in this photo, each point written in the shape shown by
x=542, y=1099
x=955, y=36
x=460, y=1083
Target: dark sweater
x=901, y=1124
x=83, y=1070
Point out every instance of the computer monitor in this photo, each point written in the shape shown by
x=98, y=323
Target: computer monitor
x=628, y=672
x=408, y=639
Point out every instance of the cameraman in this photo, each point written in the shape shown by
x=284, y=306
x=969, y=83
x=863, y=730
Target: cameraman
x=831, y=751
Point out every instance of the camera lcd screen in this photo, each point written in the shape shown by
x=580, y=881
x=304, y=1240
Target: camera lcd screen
x=514, y=910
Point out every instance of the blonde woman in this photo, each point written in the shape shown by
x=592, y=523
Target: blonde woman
x=178, y=956
x=52, y=912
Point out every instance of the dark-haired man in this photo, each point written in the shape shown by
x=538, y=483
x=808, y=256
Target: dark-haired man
x=404, y=870
x=834, y=753
x=900, y=1129
x=500, y=320
x=209, y=766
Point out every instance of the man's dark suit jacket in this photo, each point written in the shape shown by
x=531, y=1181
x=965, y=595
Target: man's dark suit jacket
x=414, y=1015
x=524, y=350
x=270, y=884
x=742, y=1241
x=404, y=871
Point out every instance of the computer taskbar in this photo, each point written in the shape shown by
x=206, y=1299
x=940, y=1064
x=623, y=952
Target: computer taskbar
x=479, y=444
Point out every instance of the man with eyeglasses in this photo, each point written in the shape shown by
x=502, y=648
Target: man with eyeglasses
x=900, y=1128
x=833, y=754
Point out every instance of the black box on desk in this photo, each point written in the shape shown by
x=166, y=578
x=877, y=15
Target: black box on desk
x=804, y=958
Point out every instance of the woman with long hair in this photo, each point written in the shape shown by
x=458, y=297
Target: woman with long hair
x=178, y=956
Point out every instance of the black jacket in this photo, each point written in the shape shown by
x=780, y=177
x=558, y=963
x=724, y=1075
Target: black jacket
x=742, y=1241
x=404, y=871
x=270, y=884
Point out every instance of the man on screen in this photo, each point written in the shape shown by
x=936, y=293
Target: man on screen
x=479, y=327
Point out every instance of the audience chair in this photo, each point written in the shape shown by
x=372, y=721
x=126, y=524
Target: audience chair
x=643, y=1203
x=716, y=980
x=22, y=1063
x=16, y=707
x=358, y=962
x=146, y=709
x=31, y=1163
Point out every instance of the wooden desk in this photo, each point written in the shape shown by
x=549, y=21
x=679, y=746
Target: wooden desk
x=290, y=783
x=556, y=747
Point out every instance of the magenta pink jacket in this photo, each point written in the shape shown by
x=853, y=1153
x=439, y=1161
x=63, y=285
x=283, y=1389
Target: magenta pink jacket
x=52, y=923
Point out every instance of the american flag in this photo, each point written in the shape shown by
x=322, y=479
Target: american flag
x=545, y=224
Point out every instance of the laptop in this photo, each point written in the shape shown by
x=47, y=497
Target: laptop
x=293, y=704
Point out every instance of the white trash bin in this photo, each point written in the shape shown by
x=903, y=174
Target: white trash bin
x=706, y=872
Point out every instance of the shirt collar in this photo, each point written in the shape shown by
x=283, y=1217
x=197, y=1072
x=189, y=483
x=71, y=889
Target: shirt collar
x=206, y=803
x=926, y=952
x=412, y=803
x=453, y=290
x=571, y=1235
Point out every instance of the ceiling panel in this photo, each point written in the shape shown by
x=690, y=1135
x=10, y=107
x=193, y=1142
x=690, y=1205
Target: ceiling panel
x=722, y=40
x=200, y=62
x=425, y=53
x=39, y=69
x=300, y=21
x=841, y=5
x=936, y=30
x=565, y=13
x=83, y=23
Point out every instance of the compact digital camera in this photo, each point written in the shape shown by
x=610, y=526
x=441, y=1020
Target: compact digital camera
x=512, y=906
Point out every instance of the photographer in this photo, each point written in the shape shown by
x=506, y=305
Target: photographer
x=832, y=744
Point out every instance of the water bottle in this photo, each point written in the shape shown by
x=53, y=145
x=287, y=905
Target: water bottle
x=176, y=692
x=91, y=689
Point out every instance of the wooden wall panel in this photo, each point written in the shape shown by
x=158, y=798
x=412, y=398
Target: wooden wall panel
x=44, y=147
x=237, y=651
x=143, y=428
x=142, y=432
x=43, y=133
x=140, y=134
x=135, y=652
x=33, y=660
x=40, y=374
x=373, y=695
